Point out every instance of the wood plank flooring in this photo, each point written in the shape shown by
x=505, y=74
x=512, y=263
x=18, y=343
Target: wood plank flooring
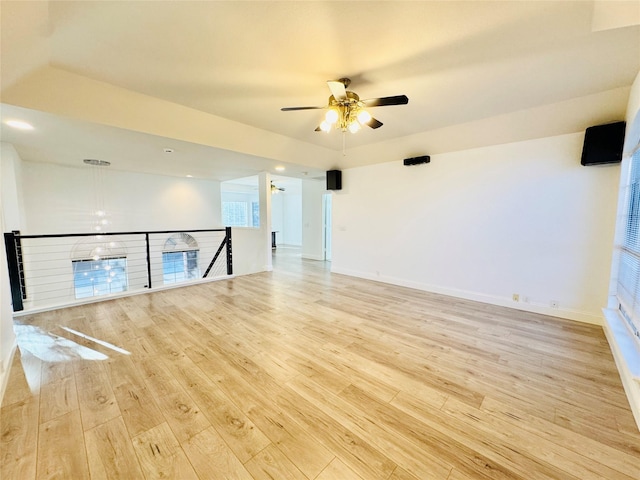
x=301, y=374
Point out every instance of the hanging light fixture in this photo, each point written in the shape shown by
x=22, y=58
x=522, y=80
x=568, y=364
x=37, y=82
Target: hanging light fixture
x=99, y=216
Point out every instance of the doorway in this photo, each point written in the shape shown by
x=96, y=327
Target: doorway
x=326, y=226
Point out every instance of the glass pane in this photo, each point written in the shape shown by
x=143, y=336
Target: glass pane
x=192, y=269
x=628, y=291
x=255, y=214
x=180, y=266
x=99, y=277
x=234, y=214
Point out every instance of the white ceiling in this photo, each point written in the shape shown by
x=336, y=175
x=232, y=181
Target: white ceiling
x=476, y=73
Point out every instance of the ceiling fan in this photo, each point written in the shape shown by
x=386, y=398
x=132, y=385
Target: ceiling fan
x=275, y=189
x=346, y=111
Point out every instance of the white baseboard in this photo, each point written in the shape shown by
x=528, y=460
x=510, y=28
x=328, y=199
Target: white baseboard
x=307, y=256
x=6, y=369
x=579, y=316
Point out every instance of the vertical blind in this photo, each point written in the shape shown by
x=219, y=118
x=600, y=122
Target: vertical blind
x=628, y=282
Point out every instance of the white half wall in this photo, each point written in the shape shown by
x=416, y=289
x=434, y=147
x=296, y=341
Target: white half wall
x=249, y=251
x=7, y=335
x=10, y=219
x=523, y=218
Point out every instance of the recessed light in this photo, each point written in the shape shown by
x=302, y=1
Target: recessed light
x=189, y=176
x=280, y=168
x=19, y=124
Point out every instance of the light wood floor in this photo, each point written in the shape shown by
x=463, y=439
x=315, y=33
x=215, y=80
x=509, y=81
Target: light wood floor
x=300, y=374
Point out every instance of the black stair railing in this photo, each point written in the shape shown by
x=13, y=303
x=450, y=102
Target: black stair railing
x=16, y=276
x=17, y=256
x=226, y=241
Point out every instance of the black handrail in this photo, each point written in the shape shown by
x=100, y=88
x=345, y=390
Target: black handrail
x=95, y=234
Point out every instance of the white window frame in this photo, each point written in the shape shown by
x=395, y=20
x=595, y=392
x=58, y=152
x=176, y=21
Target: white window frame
x=626, y=282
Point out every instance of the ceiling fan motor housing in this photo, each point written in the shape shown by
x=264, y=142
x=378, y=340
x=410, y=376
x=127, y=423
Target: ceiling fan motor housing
x=347, y=108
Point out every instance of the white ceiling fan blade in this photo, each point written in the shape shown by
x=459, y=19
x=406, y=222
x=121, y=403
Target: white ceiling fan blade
x=338, y=89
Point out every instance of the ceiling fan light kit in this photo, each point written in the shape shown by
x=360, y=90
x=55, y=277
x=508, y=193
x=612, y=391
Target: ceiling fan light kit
x=275, y=189
x=345, y=110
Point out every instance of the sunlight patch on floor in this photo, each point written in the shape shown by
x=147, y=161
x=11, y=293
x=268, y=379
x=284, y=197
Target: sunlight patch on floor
x=49, y=347
x=95, y=340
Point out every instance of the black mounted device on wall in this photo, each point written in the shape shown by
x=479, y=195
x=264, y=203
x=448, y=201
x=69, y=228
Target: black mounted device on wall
x=417, y=160
x=334, y=180
x=603, y=144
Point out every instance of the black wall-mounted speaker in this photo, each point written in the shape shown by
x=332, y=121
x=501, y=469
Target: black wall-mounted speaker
x=334, y=180
x=417, y=160
x=603, y=144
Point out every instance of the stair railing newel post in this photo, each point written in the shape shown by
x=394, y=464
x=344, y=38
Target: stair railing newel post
x=229, y=252
x=11, y=247
x=146, y=239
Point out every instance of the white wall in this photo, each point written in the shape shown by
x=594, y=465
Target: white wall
x=11, y=175
x=7, y=335
x=312, y=245
x=484, y=224
x=286, y=217
x=60, y=200
x=249, y=251
x=10, y=219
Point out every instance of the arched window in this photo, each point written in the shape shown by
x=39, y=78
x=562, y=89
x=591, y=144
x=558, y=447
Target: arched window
x=180, y=258
x=99, y=267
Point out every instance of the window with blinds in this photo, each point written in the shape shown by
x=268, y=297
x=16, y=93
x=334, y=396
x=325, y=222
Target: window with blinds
x=628, y=281
x=235, y=214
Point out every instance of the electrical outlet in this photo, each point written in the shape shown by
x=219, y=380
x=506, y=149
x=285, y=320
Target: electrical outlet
x=515, y=297
x=554, y=304
x=526, y=299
